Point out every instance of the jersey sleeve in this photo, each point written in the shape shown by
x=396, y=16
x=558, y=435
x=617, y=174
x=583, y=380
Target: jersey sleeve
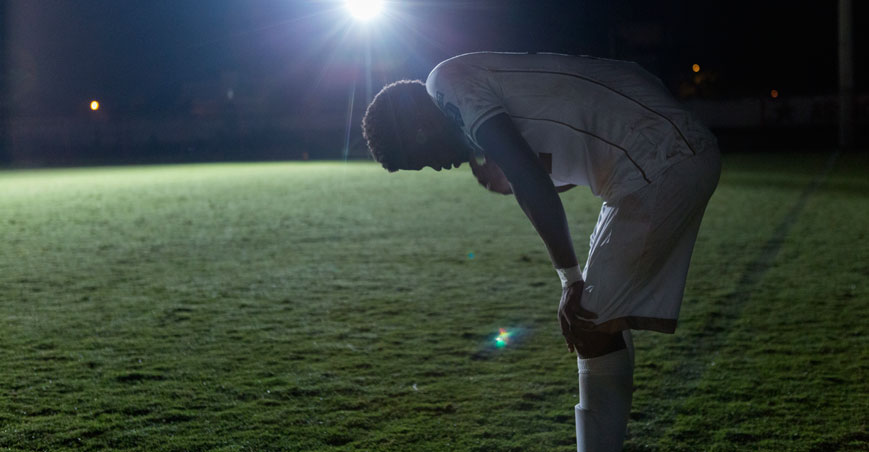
x=465, y=93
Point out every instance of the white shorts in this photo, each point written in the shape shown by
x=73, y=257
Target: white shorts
x=642, y=244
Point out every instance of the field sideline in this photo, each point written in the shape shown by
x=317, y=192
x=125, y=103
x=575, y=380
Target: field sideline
x=333, y=306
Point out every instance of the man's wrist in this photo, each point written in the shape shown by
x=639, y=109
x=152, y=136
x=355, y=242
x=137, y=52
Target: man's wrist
x=568, y=276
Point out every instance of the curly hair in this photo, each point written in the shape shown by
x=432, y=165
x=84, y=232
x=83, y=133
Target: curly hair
x=388, y=121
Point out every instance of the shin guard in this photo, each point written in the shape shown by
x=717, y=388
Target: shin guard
x=605, y=387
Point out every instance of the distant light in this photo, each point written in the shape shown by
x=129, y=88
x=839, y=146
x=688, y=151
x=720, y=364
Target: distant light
x=364, y=9
x=774, y=94
x=695, y=67
x=95, y=105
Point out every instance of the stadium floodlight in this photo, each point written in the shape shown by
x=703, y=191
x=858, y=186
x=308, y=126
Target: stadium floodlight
x=364, y=10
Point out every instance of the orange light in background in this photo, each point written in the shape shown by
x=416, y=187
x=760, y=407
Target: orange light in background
x=95, y=105
x=695, y=67
x=774, y=94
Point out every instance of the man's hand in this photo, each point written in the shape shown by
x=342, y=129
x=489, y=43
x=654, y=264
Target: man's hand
x=490, y=176
x=573, y=317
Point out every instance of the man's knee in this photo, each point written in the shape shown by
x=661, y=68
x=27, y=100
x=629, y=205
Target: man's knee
x=594, y=344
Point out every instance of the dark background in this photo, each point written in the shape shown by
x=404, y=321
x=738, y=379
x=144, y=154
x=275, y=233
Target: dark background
x=218, y=80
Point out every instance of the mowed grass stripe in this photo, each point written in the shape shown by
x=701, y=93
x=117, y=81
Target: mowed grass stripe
x=740, y=217
x=710, y=335
x=790, y=372
x=766, y=200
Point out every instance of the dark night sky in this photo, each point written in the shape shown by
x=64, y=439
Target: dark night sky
x=137, y=55
x=205, y=80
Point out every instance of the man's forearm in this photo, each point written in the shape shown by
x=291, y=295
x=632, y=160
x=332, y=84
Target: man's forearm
x=540, y=202
x=531, y=184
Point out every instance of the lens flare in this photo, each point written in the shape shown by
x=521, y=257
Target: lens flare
x=503, y=338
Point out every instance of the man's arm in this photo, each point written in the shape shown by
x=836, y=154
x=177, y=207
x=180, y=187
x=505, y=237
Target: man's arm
x=503, y=143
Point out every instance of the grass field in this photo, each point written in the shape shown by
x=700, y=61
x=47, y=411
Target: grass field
x=333, y=306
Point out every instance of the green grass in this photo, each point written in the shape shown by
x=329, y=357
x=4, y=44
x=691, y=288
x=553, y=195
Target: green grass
x=332, y=306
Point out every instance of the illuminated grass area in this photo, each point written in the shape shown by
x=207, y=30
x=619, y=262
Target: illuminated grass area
x=332, y=306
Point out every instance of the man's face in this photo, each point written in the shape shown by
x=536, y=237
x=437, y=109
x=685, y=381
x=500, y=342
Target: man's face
x=436, y=142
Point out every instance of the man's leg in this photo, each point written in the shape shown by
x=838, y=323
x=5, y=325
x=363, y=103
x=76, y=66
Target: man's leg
x=606, y=370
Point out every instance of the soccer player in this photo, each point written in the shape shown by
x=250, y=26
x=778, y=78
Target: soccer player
x=535, y=124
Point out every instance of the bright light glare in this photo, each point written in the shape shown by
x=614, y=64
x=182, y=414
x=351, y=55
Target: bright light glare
x=95, y=105
x=364, y=9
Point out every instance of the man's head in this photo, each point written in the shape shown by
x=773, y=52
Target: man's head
x=405, y=130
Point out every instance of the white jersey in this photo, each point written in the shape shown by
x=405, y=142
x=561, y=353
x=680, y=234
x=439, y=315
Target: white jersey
x=605, y=124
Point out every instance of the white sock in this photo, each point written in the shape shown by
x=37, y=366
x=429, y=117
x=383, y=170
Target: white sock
x=605, y=390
